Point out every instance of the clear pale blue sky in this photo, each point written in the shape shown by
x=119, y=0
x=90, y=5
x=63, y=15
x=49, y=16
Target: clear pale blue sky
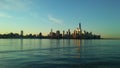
x=34, y=16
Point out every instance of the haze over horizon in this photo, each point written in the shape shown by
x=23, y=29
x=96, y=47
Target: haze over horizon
x=34, y=16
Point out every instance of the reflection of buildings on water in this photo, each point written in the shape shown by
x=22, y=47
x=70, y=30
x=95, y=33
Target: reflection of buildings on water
x=79, y=47
x=40, y=43
x=60, y=48
x=63, y=45
x=69, y=46
x=51, y=44
x=34, y=44
x=78, y=44
x=54, y=49
x=66, y=48
x=30, y=44
x=91, y=49
x=87, y=49
x=21, y=44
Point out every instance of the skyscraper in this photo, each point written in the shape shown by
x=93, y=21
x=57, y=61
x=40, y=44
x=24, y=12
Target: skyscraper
x=51, y=33
x=51, y=30
x=69, y=32
x=21, y=33
x=80, y=28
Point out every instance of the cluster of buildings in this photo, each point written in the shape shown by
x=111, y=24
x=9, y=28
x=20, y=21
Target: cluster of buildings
x=77, y=34
x=21, y=35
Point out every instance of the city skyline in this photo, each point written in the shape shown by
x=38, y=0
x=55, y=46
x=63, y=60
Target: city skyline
x=34, y=16
x=78, y=33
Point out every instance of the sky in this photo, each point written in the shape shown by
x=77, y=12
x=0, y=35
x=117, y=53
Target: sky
x=34, y=16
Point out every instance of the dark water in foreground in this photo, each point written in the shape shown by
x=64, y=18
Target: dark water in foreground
x=45, y=53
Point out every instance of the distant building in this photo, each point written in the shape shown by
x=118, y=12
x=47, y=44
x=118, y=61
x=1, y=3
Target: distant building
x=69, y=33
x=75, y=34
x=63, y=33
x=57, y=34
x=80, y=28
x=52, y=34
x=40, y=35
x=21, y=33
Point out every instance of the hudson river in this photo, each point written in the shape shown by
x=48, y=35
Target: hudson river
x=53, y=53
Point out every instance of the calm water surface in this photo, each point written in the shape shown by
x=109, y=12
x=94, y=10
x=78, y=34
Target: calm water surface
x=46, y=53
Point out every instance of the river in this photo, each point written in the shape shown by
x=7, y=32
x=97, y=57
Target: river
x=59, y=53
